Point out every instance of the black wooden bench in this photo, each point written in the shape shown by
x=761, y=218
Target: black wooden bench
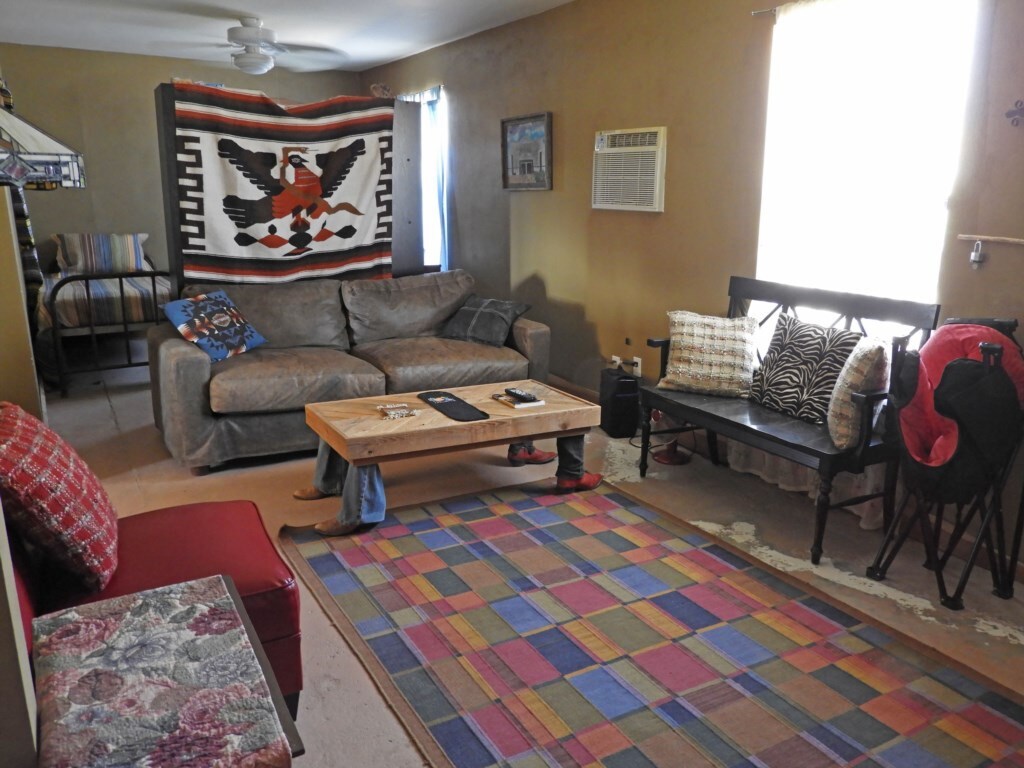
x=807, y=444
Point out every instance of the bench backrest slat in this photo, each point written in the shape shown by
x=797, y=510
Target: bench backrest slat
x=849, y=306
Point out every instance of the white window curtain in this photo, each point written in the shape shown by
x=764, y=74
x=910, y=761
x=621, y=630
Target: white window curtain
x=865, y=115
x=434, y=173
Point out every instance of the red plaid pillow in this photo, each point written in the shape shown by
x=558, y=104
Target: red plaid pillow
x=53, y=499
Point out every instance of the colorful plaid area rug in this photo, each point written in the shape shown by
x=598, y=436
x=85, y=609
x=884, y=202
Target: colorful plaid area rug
x=519, y=628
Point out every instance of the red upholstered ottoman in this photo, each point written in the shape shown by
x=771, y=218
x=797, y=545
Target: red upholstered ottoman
x=196, y=696
x=192, y=541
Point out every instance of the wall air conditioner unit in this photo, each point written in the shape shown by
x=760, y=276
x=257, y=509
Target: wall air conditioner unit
x=629, y=170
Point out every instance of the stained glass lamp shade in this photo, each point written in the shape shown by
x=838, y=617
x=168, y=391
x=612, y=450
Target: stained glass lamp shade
x=31, y=157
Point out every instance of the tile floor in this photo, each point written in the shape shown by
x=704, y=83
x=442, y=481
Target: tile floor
x=344, y=721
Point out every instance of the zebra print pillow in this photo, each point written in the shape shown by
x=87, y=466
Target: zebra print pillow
x=800, y=368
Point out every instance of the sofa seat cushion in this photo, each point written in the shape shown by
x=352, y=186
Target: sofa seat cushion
x=275, y=380
x=193, y=541
x=416, y=305
x=304, y=313
x=429, y=362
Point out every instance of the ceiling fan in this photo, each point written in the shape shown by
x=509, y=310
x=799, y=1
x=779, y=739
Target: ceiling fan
x=259, y=46
x=260, y=51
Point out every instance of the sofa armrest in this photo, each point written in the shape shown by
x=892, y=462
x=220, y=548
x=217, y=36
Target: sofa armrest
x=180, y=380
x=155, y=337
x=533, y=341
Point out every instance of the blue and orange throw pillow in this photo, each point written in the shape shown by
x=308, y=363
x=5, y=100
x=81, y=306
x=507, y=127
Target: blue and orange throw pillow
x=213, y=322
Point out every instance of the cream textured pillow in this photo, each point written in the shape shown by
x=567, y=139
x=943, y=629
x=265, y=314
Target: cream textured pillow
x=866, y=370
x=710, y=355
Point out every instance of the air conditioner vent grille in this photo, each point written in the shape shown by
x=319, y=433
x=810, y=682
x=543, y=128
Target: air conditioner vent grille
x=629, y=170
x=633, y=139
x=629, y=179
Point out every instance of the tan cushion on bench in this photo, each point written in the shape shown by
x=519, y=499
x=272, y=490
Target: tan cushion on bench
x=865, y=370
x=710, y=355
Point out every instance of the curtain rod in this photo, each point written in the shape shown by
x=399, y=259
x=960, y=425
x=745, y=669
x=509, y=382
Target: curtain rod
x=992, y=239
x=763, y=11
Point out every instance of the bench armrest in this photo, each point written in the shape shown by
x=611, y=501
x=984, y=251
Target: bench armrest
x=868, y=401
x=664, y=344
x=869, y=398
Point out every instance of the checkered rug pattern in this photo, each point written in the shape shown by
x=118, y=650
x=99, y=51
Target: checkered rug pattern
x=521, y=628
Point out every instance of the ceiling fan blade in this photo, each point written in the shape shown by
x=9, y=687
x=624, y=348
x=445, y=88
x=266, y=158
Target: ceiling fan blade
x=311, y=58
x=275, y=49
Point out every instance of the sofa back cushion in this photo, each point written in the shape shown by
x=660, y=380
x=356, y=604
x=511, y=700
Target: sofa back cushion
x=404, y=307
x=305, y=313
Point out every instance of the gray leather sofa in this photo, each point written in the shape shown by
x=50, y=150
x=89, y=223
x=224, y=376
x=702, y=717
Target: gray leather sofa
x=326, y=340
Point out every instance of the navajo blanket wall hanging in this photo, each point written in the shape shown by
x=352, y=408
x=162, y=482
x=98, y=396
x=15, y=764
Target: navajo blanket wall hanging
x=265, y=192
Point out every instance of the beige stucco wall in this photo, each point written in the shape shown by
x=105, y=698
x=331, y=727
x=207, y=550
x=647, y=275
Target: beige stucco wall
x=102, y=104
x=701, y=69
x=989, y=198
x=598, y=277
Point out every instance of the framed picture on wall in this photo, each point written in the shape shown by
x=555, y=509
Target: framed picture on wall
x=526, y=152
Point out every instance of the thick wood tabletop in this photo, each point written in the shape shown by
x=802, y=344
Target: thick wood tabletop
x=358, y=431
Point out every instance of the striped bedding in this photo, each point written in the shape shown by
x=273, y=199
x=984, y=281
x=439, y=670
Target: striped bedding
x=73, y=304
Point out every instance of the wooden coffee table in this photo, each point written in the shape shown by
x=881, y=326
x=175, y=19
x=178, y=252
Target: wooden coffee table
x=357, y=431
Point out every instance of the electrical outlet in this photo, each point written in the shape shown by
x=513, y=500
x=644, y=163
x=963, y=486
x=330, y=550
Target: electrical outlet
x=637, y=362
x=616, y=361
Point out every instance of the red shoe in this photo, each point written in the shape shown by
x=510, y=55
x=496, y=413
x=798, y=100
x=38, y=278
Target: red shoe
x=587, y=482
x=533, y=456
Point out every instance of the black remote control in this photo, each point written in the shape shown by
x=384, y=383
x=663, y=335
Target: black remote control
x=521, y=395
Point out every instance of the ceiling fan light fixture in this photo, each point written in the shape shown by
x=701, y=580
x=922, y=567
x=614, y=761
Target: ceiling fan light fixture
x=253, y=62
x=252, y=32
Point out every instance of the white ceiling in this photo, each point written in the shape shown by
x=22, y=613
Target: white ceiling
x=321, y=34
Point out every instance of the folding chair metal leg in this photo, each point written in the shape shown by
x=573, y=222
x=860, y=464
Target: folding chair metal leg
x=1010, y=576
x=955, y=601
x=892, y=542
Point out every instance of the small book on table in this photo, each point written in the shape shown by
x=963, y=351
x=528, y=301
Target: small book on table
x=511, y=402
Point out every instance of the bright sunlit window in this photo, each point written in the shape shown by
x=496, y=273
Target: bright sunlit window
x=434, y=173
x=865, y=117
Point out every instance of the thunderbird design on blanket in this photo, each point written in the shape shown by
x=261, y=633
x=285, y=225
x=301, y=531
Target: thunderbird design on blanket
x=298, y=197
x=269, y=193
